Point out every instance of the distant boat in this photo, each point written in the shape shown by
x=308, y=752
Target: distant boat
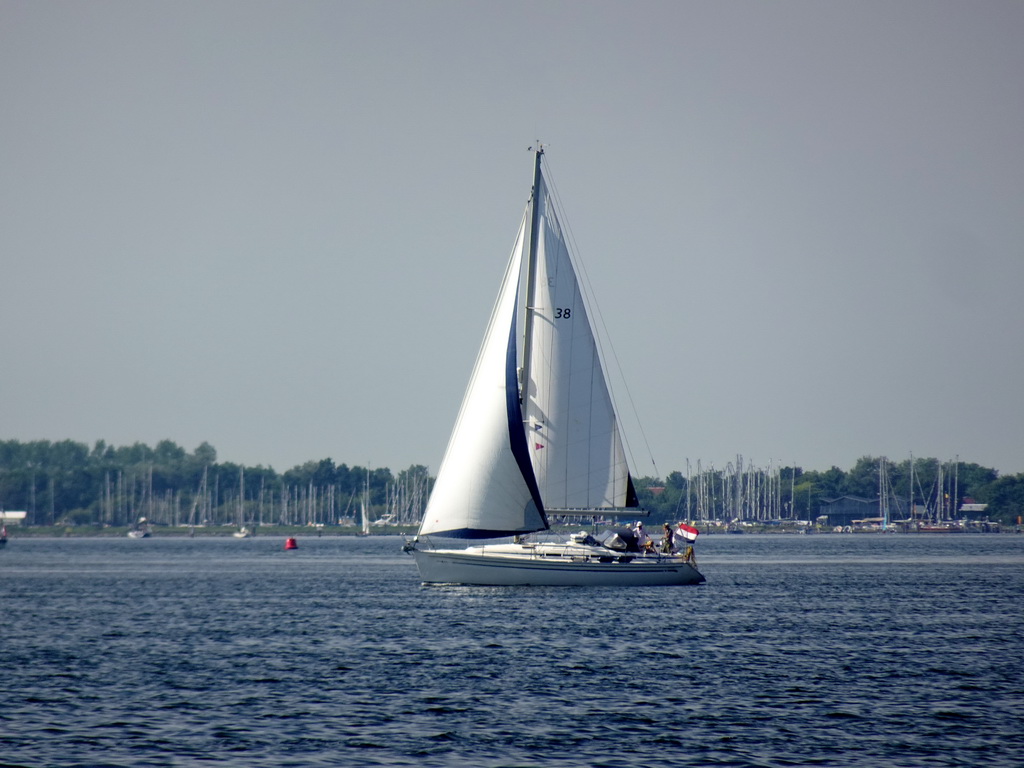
x=365, y=506
x=941, y=527
x=3, y=535
x=537, y=435
x=140, y=530
x=242, y=532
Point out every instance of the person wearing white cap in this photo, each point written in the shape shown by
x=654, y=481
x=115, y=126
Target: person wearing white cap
x=642, y=539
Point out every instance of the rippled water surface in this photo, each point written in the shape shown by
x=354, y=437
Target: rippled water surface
x=799, y=651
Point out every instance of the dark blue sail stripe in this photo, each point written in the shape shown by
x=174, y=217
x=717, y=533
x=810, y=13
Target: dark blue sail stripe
x=475, y=533
x=516, y=433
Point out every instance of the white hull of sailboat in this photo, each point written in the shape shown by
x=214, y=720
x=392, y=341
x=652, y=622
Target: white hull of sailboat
x=479, y=567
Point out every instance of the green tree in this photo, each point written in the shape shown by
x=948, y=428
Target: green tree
x=205, y=454
x=862, y=480
x=1005, y=497
x=829, y=484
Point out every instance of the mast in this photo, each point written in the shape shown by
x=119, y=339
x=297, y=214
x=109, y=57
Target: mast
x=531, y=276
x=883, y=493
x=366, y=502
x=913, y=513
x=688, y=515
x=792, y=492
x=956, y=486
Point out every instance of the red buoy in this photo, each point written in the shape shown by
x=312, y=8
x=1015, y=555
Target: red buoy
x=291, y=543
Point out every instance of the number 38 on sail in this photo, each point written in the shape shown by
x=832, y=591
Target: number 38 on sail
x=536, y=436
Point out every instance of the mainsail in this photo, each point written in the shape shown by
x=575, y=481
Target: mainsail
x=576, y=446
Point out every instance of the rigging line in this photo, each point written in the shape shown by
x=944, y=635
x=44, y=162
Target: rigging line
x=594, y=309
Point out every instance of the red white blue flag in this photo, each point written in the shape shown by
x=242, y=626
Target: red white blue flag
x=686, y=532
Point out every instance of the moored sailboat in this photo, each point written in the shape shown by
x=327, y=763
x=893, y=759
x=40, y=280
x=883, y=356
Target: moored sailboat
x=243, y=532
x=537, y=435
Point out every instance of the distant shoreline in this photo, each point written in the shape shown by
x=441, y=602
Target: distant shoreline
x=285, y=531
x=184, y=532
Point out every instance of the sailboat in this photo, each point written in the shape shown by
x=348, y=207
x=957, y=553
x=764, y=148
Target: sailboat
x=140, y=530
x=243, y=532
x=364, y=507
x=537, y=435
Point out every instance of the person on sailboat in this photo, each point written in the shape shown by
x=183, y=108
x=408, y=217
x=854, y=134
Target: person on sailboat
x=667, y=543
x=642, y=539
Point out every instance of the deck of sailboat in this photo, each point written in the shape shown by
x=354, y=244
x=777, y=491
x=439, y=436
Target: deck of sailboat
x=565, y=564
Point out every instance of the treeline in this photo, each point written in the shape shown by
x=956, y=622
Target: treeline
x=913, y=488
x=69, y=483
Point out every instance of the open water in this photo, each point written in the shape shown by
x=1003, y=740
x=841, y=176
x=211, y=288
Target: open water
x=835, y=650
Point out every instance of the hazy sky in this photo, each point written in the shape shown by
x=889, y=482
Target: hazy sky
x=279, y=227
